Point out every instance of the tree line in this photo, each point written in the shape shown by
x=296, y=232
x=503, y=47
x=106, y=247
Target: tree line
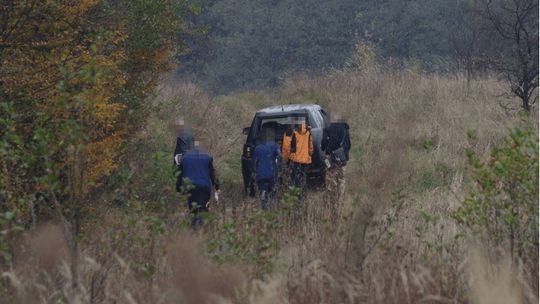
x=255, y=44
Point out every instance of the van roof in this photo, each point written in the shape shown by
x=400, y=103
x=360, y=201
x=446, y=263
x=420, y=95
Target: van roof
x=289, y=108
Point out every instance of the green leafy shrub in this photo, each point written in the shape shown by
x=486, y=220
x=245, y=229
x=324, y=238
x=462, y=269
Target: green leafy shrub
x=8, y=227
x=439, y=176
x=427, y=145
x=255, y=240
x=502, y=201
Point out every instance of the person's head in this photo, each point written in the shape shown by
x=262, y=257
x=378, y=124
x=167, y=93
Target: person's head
x=293, y=121
x=268, y=134
x=337, y=117
x=201, y=145
x=300, y=124
x=179, y=124
x=298, y=121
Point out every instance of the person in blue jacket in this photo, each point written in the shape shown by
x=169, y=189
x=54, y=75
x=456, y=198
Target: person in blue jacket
x=266, y=162
x=196, y=178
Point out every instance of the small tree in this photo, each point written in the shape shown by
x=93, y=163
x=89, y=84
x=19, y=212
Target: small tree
x=515, y=22
x=502, y=204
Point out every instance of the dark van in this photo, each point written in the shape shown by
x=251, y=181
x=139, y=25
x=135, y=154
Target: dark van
x=280, y=118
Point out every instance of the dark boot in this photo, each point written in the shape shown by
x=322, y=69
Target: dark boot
x=196, y=223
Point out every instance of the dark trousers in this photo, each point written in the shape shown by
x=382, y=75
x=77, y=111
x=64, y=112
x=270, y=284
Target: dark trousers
x=197, y=199
x=268, y=185
x=298, y=174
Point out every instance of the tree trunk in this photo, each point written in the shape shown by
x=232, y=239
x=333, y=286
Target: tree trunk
x=526, y=105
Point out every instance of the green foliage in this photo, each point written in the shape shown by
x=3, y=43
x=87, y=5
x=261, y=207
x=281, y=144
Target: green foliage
x=427, y=144
x=62, y=137
x=8, y=227
x=256, y=240
x=42, y=160
x=472, y=134
x=155, y=35
x=13, y=155
x=439, y=176
x=502, y=204
x=147, y=222
x=428, y=223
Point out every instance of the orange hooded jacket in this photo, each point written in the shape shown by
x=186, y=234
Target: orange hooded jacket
x=303, y=144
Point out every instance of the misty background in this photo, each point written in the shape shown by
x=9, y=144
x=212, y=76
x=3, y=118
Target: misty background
x=239, y=45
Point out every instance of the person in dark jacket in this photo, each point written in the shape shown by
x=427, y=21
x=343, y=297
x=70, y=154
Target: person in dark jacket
x=184, y=140
x=266, y=162
x=336, y=136
x=196, y=178
x=336, y=145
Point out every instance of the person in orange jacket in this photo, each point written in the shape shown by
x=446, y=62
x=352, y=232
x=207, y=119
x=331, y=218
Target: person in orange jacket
x=301, y=150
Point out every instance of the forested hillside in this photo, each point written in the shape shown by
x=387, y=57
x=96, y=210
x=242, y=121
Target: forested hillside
x=441, y=191
x=257, y=44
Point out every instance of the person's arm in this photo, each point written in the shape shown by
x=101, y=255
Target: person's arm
x=177, y=150
x=213, y=177
x=278, y=154
x=277, y=159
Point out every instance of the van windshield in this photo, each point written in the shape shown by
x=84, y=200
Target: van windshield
x=272, y=121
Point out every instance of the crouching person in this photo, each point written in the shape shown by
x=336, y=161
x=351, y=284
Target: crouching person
x=196, y=178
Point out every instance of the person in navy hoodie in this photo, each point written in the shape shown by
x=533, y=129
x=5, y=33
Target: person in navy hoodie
x=196, y=178
x=266, y=162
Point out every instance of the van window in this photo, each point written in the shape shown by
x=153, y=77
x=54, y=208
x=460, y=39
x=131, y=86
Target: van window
x=278, y=123
x=281, y=120
x=324, y=116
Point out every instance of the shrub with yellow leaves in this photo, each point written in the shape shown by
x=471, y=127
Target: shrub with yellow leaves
x=73, y=78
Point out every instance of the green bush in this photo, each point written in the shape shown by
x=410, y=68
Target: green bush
x=255, y=240
x=439, y=176
x=8, y=228
x=502, y=202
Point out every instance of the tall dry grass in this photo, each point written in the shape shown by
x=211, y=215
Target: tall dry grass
x=394, y=241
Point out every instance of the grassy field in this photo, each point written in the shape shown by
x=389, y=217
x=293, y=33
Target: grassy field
x=392, y=242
